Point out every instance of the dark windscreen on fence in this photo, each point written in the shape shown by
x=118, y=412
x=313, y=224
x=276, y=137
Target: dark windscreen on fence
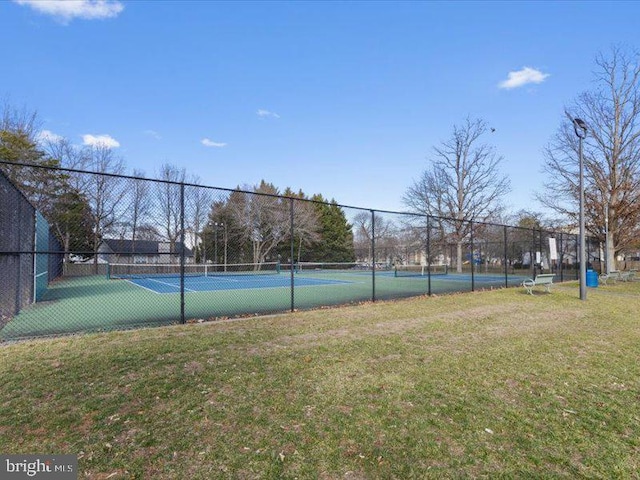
x=17, y=229
x=108, y=252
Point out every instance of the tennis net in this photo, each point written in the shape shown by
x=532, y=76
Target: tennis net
x=420, y=270
x=329, y=267
x=174, y=270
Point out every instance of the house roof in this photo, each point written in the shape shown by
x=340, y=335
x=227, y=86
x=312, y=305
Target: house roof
x=142, y=247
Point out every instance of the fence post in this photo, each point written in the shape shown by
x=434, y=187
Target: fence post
x=182, y=241
x=293, y=252
x=428, y=256
x=373, y=255
x=541, y=249
x=532, y=253
x=473, y=259
x=561, y=259
x=506, y=259
x=18, y=298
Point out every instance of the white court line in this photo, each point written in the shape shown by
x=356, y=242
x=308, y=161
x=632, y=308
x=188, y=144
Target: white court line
x=177, y=287
x=220, y=277
x=172, y=285
x=325, y=283
x=142, y=286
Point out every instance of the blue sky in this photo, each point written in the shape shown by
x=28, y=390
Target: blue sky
x=346, y=99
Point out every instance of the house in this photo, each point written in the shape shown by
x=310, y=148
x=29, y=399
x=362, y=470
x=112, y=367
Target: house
x=142, y=251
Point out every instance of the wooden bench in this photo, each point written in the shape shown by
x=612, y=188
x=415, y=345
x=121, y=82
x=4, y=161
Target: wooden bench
x=545, y=279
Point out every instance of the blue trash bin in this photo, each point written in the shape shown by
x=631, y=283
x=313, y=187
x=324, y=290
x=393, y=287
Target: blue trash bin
x=592, y=278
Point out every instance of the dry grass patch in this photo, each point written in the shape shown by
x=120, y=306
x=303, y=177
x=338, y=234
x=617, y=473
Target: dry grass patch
x=473, y=385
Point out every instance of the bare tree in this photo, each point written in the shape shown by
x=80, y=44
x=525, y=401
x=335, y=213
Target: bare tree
x=462, y=182
x=368, y=227
x=221, y=218
x=611, y=155
x=198, y=202
x=362, y=233
x=169, y=203
x=140, y=206
x=263, y=218
x=104, y=192
x=19, y=143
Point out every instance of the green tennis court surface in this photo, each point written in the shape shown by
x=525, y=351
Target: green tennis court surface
x=229, y=282
x=95, y=303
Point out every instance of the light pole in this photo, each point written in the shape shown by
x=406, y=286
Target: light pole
x=581, y=132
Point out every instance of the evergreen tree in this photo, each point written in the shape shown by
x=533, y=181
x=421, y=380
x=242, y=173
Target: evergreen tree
x=71, y=221
x=336, y=242
x=306, y=227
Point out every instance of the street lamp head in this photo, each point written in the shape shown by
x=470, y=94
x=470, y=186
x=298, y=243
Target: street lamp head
x=580, y=127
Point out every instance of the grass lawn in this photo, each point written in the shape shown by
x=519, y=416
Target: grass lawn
x=489, y=384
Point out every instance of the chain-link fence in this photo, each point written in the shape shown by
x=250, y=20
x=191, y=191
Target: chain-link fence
x=30, y=254
x=102, y=252
x=17, y=229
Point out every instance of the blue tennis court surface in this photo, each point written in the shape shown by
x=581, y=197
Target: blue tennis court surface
x=229, y=282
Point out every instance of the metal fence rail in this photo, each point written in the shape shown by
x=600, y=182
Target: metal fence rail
x=188, y=253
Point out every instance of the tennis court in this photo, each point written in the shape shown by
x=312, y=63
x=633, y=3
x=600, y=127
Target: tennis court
x=179, y=262
x=167, y=278
x=229, y=282
x=145, y=299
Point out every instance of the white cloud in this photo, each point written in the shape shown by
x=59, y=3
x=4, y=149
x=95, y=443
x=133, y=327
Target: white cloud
x=67, y=10
x=46, y=136
x=266, y=113
x=523, y=77
x=100, y=141
x=153, y=133
x=210, y=143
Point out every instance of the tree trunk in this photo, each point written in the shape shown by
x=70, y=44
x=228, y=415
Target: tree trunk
x=610, y=254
